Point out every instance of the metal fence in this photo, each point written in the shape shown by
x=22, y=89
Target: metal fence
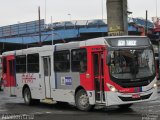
x=33, y=26
x=21, y=28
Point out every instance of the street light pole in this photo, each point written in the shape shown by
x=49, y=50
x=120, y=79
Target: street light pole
x=52, y=29
x=102, y=8
x=45, y=11
x=69, y=16
x=156, y=8
x=146, y=26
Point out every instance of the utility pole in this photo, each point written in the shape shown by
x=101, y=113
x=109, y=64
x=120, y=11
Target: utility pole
x=156, y=8
x=146, y=26
x=39, y=17
x=52, y=29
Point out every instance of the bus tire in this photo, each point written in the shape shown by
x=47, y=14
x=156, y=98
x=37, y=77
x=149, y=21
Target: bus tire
x=126, y=106
x=61, y=103
x=27, y=96
x=82, y=101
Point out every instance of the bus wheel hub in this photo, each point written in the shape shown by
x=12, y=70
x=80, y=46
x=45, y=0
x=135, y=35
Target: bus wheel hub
x=83, y=100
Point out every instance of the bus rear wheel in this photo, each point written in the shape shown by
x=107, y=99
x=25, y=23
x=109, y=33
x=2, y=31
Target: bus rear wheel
x=82, y=101
x=27, y=96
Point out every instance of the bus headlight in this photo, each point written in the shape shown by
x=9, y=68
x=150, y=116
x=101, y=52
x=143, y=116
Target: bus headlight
x=155, y=85
x=112, y=88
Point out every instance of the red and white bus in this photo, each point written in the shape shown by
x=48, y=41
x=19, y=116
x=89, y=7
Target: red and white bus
x=1, y=73
x=102, y=71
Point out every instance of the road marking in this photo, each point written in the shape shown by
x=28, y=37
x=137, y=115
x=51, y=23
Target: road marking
x=48, y=112
x=3, y=110
x=38, y=113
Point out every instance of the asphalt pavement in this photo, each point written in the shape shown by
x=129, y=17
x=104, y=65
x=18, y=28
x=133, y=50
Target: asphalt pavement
x=14, y=109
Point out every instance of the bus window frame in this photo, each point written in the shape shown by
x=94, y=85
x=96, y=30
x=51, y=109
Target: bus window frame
x=80, y=63
x=62, y=61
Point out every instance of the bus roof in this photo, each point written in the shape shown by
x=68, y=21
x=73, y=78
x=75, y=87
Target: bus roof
x=64, y=46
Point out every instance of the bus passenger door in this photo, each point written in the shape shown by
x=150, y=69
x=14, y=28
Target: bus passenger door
x=98, y=71
x=11, y=76
x=47, y=76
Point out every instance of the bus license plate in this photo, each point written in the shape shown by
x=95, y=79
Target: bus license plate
x=135, y=96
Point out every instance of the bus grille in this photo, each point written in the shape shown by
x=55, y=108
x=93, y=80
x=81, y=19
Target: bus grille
x=134, y=99
x=128, y=83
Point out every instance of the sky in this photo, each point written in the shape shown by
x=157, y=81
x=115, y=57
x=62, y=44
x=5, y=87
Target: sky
x=19, y=11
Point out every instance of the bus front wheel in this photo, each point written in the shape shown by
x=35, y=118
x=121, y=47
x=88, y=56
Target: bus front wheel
x=82, y=100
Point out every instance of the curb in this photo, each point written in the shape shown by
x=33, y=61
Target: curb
x=158, y=90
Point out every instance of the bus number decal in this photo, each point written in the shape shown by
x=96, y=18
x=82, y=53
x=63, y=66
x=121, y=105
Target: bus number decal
x=28, y=78
x=66, y=80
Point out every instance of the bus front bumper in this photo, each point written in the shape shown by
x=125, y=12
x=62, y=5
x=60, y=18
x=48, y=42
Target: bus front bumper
x=117, y=98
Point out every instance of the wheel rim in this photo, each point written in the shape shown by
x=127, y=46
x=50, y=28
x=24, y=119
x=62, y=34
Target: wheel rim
x=84, y=100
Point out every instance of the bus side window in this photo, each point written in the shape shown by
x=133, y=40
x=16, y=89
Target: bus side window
x=79, y=60
x=62, y=61
x=33, y=63
x=21, y=64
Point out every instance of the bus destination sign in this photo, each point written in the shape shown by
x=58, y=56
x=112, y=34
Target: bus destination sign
x=128, y=42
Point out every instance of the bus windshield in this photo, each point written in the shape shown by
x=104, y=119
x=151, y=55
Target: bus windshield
x=132, y=64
